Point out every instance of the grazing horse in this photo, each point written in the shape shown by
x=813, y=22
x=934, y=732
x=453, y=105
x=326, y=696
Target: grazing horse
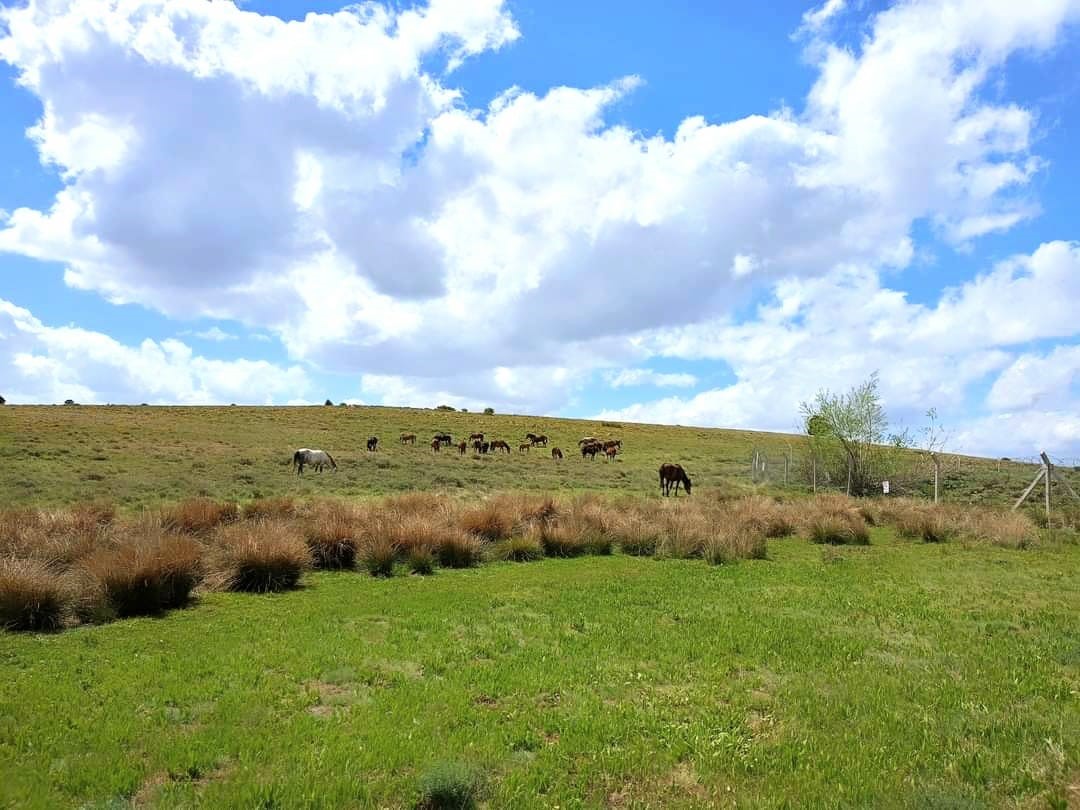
x=611, y=452
x=484, y=447
x=499, y=444
x=408, y=438
x=591, y=450
x=444, y=438
x=673, y=474
x=373, y=444
x=478, y=446
x=531, y=438
x=475, y=436
x=613, y=443
x=462, y=447
x=524, y=447
x=540, y=440
x=587, y=440
x=315, y=458
x=436, y=445
x=556, y=454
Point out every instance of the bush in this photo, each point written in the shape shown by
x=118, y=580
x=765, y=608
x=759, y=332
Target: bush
x=332, y=537
x=380, y=554
x=459, y=550
x=762, y=514
x=448, y=786
x=839, y=529
x=421, y=560
x=739, y=542
x=686, y=532
x=489, y=411
x=489, y=521
x=562, y=541
x=145, y=572
x=32, y=597
x=521, y=548
x=259, y=556
x=1005, y=529
x=199, y=515
x=284, y=506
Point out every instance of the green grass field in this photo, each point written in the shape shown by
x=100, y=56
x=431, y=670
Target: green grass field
x=898, y=674
x=894, y=675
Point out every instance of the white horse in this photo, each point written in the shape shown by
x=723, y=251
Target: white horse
x=316, y=458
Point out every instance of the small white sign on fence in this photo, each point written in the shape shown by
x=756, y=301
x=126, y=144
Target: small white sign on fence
x=885, y=487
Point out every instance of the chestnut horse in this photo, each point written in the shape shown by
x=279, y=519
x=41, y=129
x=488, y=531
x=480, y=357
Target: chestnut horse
x=436, y=445
x=408, y=438
x=462, y=447
x=556, y=454
x=673, y=474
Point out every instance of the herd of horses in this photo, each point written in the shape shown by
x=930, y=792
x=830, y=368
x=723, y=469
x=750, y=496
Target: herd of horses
x=672, y=476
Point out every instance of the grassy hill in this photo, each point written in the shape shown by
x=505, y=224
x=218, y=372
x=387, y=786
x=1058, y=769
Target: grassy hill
x=135, y=456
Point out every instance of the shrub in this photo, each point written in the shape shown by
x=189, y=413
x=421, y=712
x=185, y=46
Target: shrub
x=380, y=554
x=762, y=514
x=489, y=411
x=459, y=550
x=737, y=542
x=490, y=521
x=1006, y=529
x=259, y=556
x=332, y=537
x=31, y=596
x=145, y=572
x=560, y=540
x=421, y=560
x=283, y=506
x=199, y=515
x=521, y=548
x=448, y=786
x=686, y=532
x=840, y=529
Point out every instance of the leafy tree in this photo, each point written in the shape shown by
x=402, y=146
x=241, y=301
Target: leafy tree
x=849, y=435
x=489, y=411
x=444, y=407
x=3, y=401
x=328, y=403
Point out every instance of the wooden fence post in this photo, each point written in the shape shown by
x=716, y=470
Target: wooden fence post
x=849, y=475
x=937, y=474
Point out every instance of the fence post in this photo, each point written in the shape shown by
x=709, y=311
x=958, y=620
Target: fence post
x=813, y=471
x=937, y=473
x=1049, y=471
x=849, y=475
x=787, y=465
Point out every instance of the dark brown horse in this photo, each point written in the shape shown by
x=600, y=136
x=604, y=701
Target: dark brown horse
x=611, y=452
x=556, y=454
x=474, y=436
x=436, y=445
x=540, y=440
x=591, y=450
x=462, y=447
x=524, y=447
x=613, y=443
x=478, y=446
x=673, y=475
x=499, y=444
x=444, y=438
x=373, y=443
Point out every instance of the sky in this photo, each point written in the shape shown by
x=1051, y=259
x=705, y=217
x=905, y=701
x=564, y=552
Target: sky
x=697, y=213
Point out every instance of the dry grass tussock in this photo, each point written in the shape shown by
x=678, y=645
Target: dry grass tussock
x=199, y=516
x=144, y=570
x=258, y=556
x=32, y=597
x=87, y=563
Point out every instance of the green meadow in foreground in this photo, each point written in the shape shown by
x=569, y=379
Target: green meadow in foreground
x=897, y=674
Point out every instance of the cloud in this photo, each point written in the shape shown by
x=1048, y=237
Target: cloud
x=214, y=333
x=814, y=19
x=40, y=363
x=835, y=331
x=347, y=201
x=628, y=377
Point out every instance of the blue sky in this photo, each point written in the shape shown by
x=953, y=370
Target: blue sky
x=699, y=214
